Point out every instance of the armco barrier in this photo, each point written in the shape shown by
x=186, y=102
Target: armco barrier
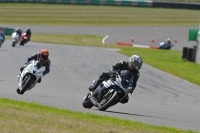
x=140, y=3
x=6, y=31
x=177, y=5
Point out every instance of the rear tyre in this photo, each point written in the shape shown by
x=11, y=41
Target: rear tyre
x=110, y=102
x=87, y=103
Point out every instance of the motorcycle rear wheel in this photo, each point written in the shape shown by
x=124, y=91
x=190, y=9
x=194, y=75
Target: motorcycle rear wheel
x=110, y=102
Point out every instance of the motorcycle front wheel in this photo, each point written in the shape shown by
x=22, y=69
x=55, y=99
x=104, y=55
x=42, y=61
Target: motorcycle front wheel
x=27, y=82
x=22, y=42
x=87, y=103
x=13, y=44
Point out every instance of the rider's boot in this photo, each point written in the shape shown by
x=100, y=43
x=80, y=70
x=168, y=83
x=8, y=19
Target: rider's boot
x=94, y=84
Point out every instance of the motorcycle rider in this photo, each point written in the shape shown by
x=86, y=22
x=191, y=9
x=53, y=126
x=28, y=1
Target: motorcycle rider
x=167, y=44
x=168, y=41
x=19, y=32
x=2, y=34
x=133, y=66
x=28, y=32
x=43, y=57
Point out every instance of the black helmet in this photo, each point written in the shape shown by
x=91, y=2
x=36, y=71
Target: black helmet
x=18, y=29
x=28, y=29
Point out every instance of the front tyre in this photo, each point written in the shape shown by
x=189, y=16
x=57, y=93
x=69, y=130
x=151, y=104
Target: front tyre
x=13, y=44
x=21, y=43
x=87, y=103
x=110, y=102
x=27, y=82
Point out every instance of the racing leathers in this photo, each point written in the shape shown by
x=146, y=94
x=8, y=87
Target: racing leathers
x=28, y=32
x=36, y=57
x=131, y=75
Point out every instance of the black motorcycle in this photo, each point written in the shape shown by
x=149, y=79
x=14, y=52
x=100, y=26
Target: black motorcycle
x=114, y=93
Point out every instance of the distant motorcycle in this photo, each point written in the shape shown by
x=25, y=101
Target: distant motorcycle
x=1, y=40
x=15, y=38
x=114, y=93
x=23, y=39
x=164, y=45
x=29, y=76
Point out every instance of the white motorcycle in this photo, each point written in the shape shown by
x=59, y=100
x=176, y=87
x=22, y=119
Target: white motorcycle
x=15, y=38
x=30, y=76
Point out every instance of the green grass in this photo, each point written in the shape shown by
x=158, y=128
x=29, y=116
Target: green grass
x=23, y=117
x=58, y=14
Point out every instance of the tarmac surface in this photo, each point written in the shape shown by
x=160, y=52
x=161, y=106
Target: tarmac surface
x=159, y=98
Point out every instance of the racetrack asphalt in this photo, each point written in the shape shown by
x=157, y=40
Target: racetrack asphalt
x=159, y=98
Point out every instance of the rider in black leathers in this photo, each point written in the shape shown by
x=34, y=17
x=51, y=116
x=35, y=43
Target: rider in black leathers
x=28, y=32
x=133, y=66
x=43, y=58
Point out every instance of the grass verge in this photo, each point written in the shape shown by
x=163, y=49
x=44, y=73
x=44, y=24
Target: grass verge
x=23, y=117
x=61, y=14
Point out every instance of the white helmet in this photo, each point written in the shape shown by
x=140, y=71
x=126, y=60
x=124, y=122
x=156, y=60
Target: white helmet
x=136, y=61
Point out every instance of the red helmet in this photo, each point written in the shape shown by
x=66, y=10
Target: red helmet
x=44, y=54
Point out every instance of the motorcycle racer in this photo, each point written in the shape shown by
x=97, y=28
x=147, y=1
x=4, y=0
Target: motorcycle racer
x=132, y=66
x=18, y=31
x=43, y=57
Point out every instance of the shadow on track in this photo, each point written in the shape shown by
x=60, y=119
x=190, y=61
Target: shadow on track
x=133, y=114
